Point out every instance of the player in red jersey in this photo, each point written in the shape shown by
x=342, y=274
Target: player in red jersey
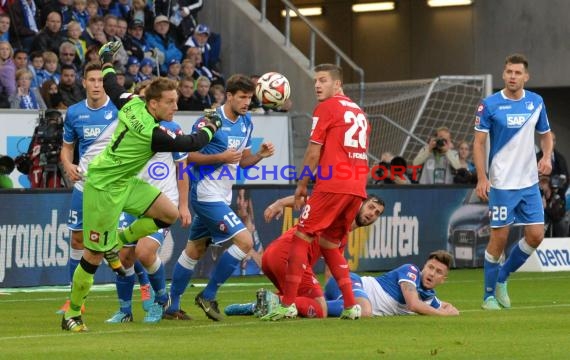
x=309, y=300
x=339, y=137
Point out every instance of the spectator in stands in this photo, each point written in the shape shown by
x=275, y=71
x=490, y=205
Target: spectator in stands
x=37, y=69
x=188, y=69
x=50, y=37
x=466, y=173
x=142, y=14
x=438, y=158
x=20, y=59
x=200, y=40
x=110, y=7
x=80, y=14
x=74, y=37
x=110, y=29
x=218, y=94
x=174, y=68
x=201, y=98
x=195, y=55
x=50, y=66
x=51, y=95
x=186, y=18
x=26, y=97
x=7, y=74
x=94, y=34
x=465, y=156
x=133, y=68
x=4, y=27
x=122, y=79
x=92, y=9
x=160, y=40
x=71, y=91
x=145, y=72
x=185, y=92
x=25, y=27
x=122, y=27
x=63, y=7
x=134, y=42
x=68, y=56
x=92, y=54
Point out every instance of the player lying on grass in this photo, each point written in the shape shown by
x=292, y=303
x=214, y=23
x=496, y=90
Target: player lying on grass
x=402, y=291
x=310, y=301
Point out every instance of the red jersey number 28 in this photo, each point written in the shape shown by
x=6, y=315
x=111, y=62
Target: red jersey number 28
x=359, y=125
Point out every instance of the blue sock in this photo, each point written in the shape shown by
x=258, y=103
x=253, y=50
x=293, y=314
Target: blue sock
x=229, y=261
x=517, y=257
x=125, y=285
x=335, y=307
x=181, y=276
x=491, y=271
x=141, y=274
x=157, y=280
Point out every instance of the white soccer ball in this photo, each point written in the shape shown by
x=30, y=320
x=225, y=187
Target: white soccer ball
x=272, y=89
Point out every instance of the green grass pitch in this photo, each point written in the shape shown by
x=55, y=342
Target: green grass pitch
x=537, y=327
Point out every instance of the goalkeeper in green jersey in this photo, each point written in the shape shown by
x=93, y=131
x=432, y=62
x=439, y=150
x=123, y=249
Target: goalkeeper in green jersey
x=112, y=185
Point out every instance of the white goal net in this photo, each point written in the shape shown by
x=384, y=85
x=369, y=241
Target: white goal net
x=404, y=114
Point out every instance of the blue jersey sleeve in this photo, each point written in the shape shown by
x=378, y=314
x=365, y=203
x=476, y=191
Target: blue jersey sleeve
x=542, y=125
x=409, y=273
x=69, y=134
x=483, y=117
x=250, y=125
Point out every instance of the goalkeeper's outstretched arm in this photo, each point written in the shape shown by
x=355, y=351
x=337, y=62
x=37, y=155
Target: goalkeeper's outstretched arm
x=116, y=92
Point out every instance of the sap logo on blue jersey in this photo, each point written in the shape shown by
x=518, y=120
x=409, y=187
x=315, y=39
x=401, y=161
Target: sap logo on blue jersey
x=234, y=142
x=516, y=120
x=505, y=107
x=91, y=132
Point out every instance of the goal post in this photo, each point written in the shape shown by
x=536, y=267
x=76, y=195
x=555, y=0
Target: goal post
x=404, y=114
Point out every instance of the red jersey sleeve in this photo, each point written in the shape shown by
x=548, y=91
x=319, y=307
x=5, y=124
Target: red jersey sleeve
x=322, y=120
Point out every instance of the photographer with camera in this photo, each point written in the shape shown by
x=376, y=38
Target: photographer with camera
x=439, y=159
x=556, y=224
x=554, y=204
x=41, y=162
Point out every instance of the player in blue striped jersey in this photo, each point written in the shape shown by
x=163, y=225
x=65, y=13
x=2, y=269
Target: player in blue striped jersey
x=213, y=172
x=510, y=119
x=402, y=291
x=84, y=123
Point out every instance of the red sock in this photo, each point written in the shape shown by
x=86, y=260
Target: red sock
x=339, y=270
x=308, y=307
x=297, y=262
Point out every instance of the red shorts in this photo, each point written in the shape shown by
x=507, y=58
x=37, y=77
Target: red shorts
x=329, y=215
x=274, y=265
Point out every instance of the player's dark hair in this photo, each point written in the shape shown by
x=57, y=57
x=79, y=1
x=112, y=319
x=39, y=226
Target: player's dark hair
x=334, y=70
x=157, y=86
x=93, y=65
x=443, y=257
x=517, y=59
x=239, y=82
x=375, y=199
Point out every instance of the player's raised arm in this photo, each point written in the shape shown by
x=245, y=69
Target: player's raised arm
x=116, y=92
x=164, y=140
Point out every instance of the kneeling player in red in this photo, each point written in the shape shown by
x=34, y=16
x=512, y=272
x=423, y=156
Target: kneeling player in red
x=310, y=301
